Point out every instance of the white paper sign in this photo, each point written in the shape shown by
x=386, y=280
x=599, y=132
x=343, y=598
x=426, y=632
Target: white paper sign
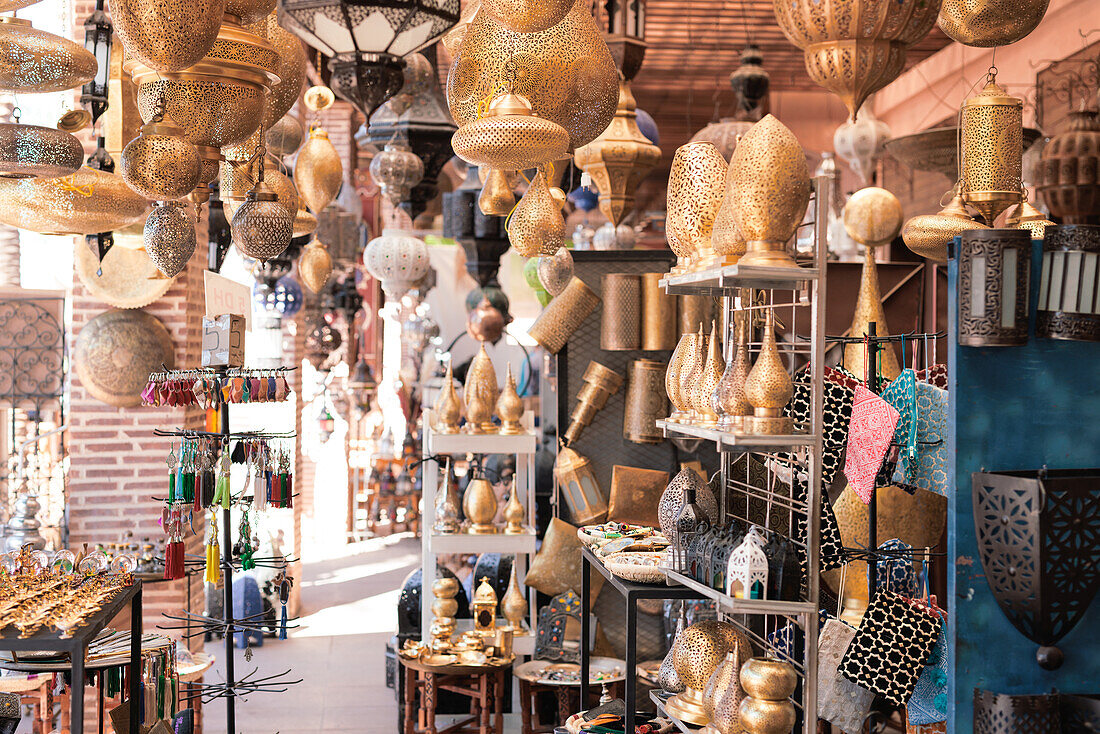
x=227, y=296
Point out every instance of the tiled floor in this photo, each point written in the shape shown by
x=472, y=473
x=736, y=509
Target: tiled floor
x=349, y=602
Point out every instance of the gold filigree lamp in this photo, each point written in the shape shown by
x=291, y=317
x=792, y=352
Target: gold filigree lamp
x=928, y=235
x=723, y=694
x=396, y=170
x=33, y=61
x=30, y=151
x=263, y=226
x=496, y=198
x=285, y=137
x=314, y=265
x=768, y=388
x=619, y=159
x=318, y=172
x=729, y=399
x=167, y=35
x=698, y=651
x=600, y=383
x=304, y=221
x=772, y=192
x=684, y=348
x=689, y=372
x=710, y=373
x=696, y=183
x=510, y=137
x=479, y=504
x=169, y=237
x=873, y=218
x=87, y=202
x=990, y=22
x=1025, y=216
x=481, y=385
x=536, y=226
x=291, y=68
x=160, y=163
x=527, y=16
x=992, y=150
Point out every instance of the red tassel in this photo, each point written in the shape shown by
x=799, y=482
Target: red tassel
x=173, y=561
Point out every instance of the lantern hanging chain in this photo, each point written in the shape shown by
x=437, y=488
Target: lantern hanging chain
x=745, y=21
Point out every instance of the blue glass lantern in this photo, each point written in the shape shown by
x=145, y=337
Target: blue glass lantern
x=284, y=299
x=585, y=199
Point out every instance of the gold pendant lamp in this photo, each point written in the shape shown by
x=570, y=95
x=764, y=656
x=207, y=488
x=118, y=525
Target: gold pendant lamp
x=35, y=61
x=497, y=197
x=160, y=163
x=167, y=35
x=285, y=137
x=992, y=150
x=510, y=137
x=291, y=68
x=315, y=265
x=619, y=159
x=30, y=151
x=263, y=226
x=990, y=23
x=169, y=237
x=304, y=221
x=536, y=226
x=928, y=235
x=318, y=172
x=87, y=202
x=396, y=170
x=249, y=11
x=1026, y=216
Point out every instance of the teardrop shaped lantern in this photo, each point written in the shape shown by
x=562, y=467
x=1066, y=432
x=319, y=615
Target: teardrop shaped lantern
x=304, y=221
x=396, y=170
x=497, y=197
x=263, y=226
x=527, y=16
x=768, y=388
x=160, y=163
x=860, y=143
x=35, y=61
x=992, y=150
x=314, y=266
x=318, y=172
x=169, y=237
x=510, y=137
x=167, y=35
x=30, y=151
x=536, y=226
x=566, y=72
x=619, y=159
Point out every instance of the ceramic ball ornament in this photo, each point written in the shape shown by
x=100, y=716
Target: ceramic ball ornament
x=398, y=260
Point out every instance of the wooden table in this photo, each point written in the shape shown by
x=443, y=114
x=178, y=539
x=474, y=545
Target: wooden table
x=484, y=684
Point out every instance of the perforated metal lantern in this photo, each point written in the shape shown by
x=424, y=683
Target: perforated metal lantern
x=396, y=170
x=318, y=172
x=696, y=184
x=314, y=266
x=30, y=151
x=1037, y=534
x=527, y=16
x=263, y=226
x=35, y=61
x=398, y=260
x=160, y=163
x=992, y=150
x=928, y=235
x=366, y=40
x=989, y=23
x=993, y=287
x=291, y=68
x=169, y=237
x=1069, y=284
x=167, y=35
x=536, y=226
x=285, y=137
x=510, y=137
x=89, y=201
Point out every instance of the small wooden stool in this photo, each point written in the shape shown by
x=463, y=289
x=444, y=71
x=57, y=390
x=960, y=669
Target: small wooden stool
x=483, y=684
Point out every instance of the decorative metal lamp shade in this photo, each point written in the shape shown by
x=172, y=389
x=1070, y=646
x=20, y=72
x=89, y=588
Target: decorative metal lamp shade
x=249, y=11
x=1069, y=285
x=751, y=82
x=285, y=137
x=160, y=164
x=566, y=72
x=291, y=68
x=1068, y=170
x=696, y=185
x=30, y=151
x=928, y=235
x=1037, y=535
x=169, y=237
x=318, y=172
x=366, y=40
x=398, y=260
x=315, y=266
x=167, y=35
x=992, y=150
x=536, y=226
x=723, y=134
x=855, y=47
x=619, y=159
x=579, y=488
x=994, y=269
x=527, y=16
x=9, y=5
x=990, y=22
x=396, y=170
x=35, y=61
x=510, y=137
x=87, y=202
x=263, y=226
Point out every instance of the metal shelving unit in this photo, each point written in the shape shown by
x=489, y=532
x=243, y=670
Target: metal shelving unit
x=522, y=545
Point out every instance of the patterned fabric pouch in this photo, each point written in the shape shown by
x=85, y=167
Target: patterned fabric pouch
x=902, y=394
x=869, y=435
x=841, y=702
x=929, y=470
x=891, y=646
x=928, y=704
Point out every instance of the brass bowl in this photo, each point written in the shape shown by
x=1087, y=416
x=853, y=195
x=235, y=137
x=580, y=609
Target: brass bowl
x=35, y=61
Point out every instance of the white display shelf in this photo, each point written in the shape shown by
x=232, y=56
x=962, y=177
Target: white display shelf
x=481, y=443
x=732, y=605
x=732, y=441
x=683, y=726
x=491, y=543
x=721, y=280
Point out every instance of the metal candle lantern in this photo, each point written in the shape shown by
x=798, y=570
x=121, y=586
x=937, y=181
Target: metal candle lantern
x=992, y=150
x=564, y=315
x=97, y=40
x=658, y=315
x=1069, y=285
x=994, y=270
x=579, y=488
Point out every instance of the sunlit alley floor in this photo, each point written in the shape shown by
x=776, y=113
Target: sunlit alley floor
x=349, y=611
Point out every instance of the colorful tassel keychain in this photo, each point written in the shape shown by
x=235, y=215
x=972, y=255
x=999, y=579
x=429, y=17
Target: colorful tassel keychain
x=171, y=462
x=173, y=551
x=213, y=552
x=247, y=564
x=221, y=487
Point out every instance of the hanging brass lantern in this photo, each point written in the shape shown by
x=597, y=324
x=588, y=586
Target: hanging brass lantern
x=510, y=137
x=1025, y=216
x=772, y=192
x=527, y=16
x=619, y=159
x=35, y=61
x=263, y=226
x=855, y=47
x=304, y=221
x=928, y=235
x=159, y=163
x=285, y=137
x=87, y=202
x=537, y=227
x=249, y=11
x=30, y=151
x=238, y=178
x=992, y=150
x=167, y=35
x=396, y=170
x=1067, y=170
x=291, y=68
x=169, y=237
x=497, y=197
x=314, y=265
x=990, y=22
x=318, y=172
x=696, y=183
x=566, y=72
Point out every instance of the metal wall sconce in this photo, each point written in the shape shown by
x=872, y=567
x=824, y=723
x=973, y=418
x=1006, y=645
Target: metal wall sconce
x=994, y=270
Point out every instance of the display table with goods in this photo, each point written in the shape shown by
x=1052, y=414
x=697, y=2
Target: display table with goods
x=61, y=604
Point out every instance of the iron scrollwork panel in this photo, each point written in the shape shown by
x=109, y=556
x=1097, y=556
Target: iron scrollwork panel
x=32, y=350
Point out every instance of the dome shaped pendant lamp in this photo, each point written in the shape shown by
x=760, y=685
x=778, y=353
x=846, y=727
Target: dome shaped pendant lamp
x=263, y=226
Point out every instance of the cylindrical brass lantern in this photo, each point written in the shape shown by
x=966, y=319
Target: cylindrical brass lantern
x=696, y=184
x=1069, y=286
x=620, y=329
x=658, y=315
x=645, y=401
x=30, y=151
x=994, y=270
x=563, y=315
x=695, y=311
x=992, y=150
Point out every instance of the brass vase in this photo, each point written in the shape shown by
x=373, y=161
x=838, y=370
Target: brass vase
x=992, y=150
x=513, y=606
x=444, y=609
x=768, y=685
x=729, y=400
x=872, y=217
x=447, y=504
x=481, y=383
x=318, y=172
x=536, y=226
x=510, y=407
x=928, y=235
x=689, y=373
x=478, y=414
x=723, y=694
x=703, y=387
x=479, y=504
x=698, y=651
x=448, y=408
x=514, y=514
x=768, y=388
x=772, y=192
x=685, y=347
x=696, y=184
